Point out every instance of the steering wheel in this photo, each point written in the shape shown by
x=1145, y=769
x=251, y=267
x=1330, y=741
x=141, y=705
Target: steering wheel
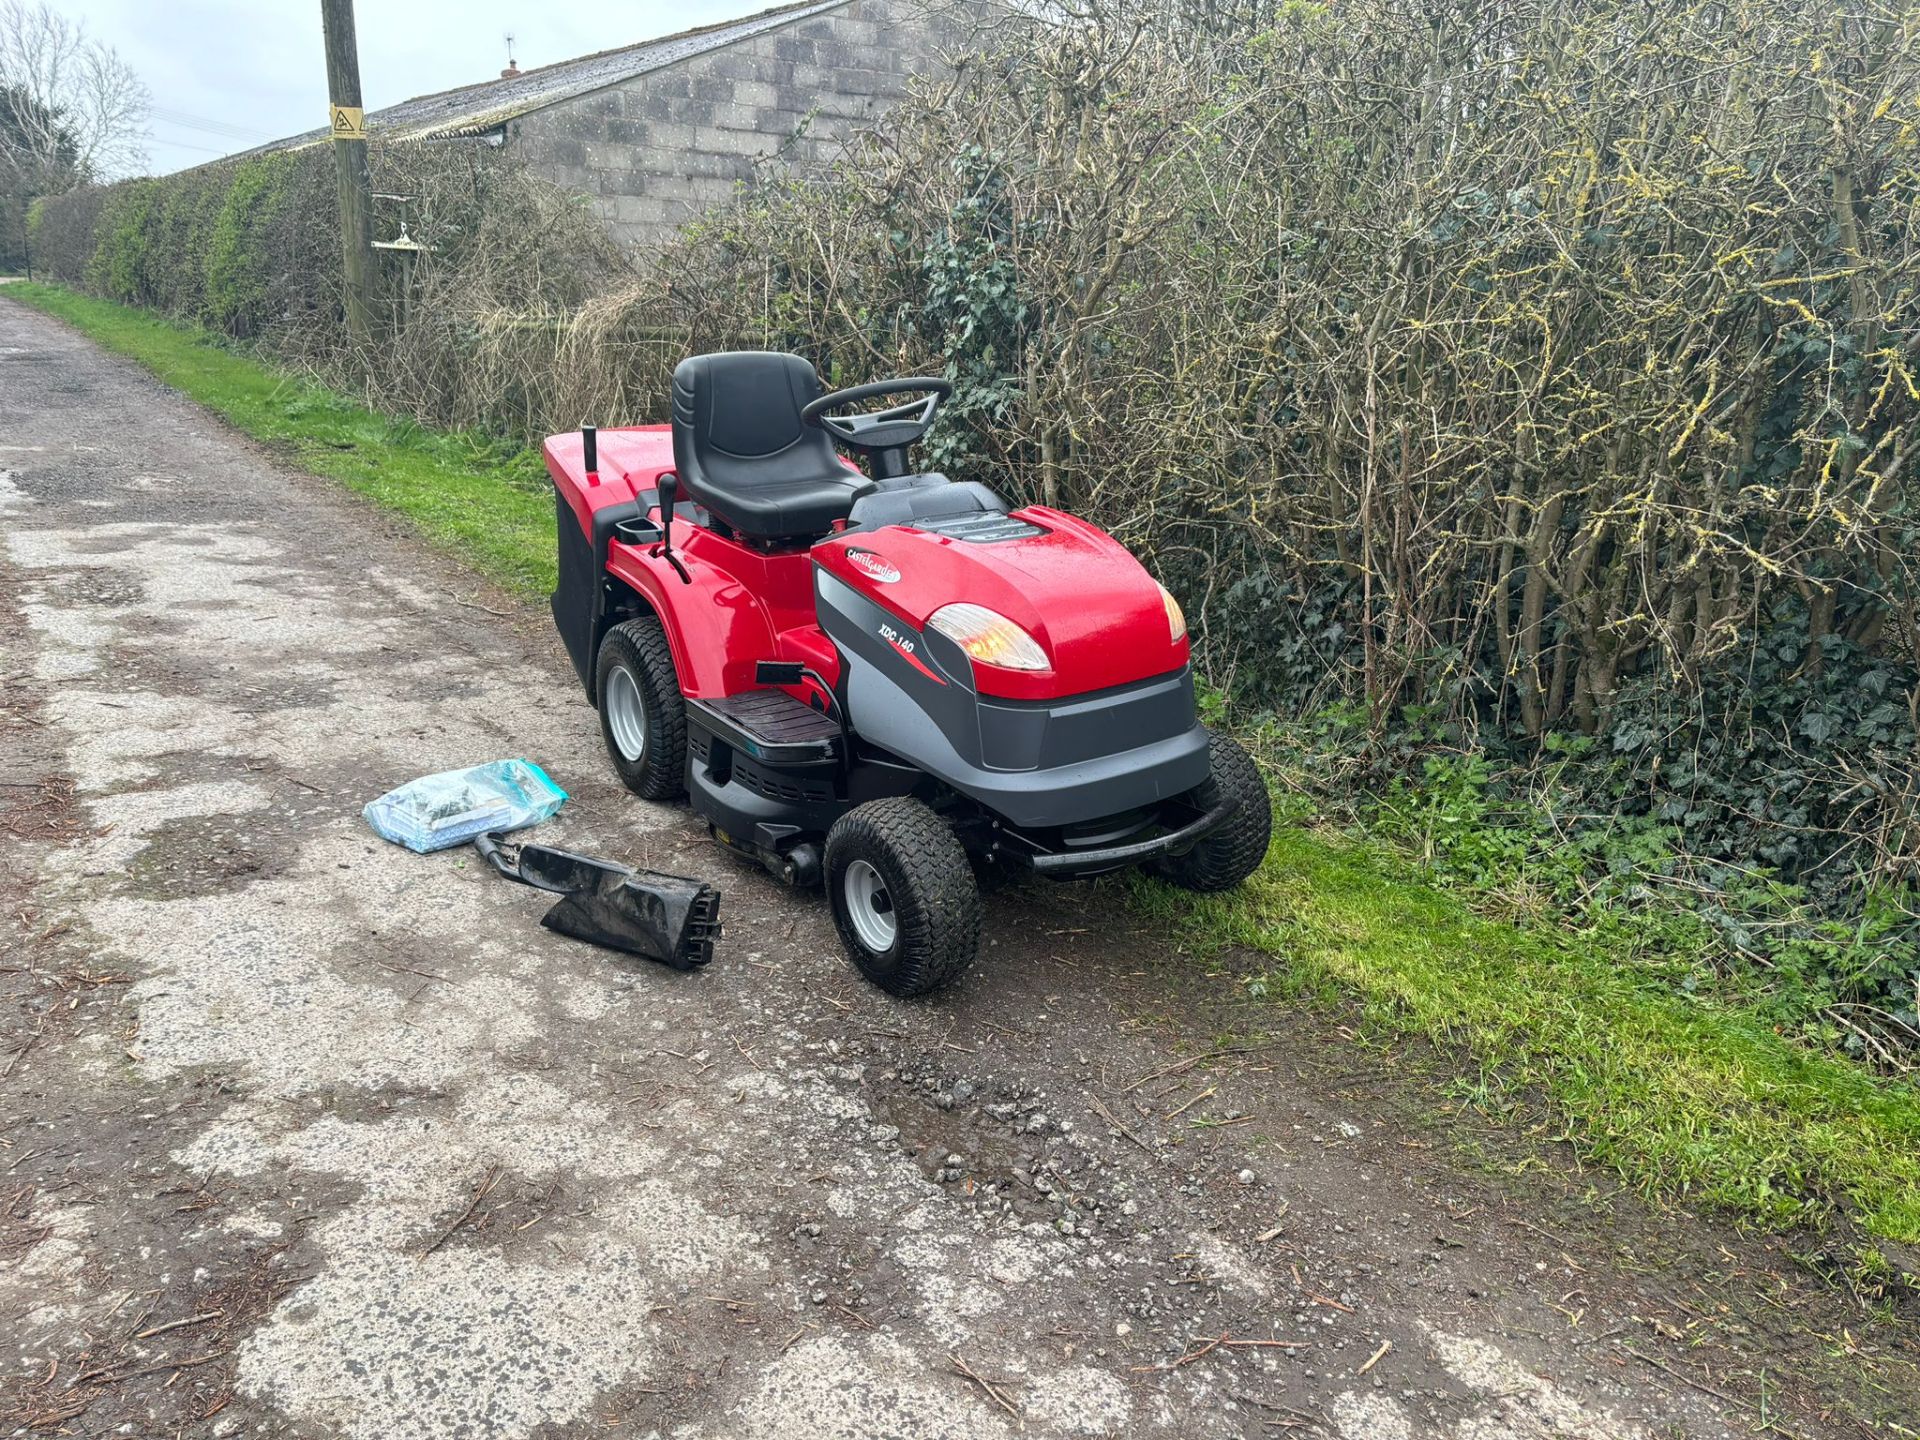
x=881, y=430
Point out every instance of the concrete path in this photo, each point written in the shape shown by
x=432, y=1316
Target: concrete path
x=306, y=1135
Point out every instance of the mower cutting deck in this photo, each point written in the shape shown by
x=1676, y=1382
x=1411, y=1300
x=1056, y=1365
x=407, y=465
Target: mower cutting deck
x=866, y=678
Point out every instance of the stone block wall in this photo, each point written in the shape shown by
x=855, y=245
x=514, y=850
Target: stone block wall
x=664, y=147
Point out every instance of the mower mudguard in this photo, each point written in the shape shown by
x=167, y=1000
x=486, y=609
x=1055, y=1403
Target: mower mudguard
x=579, y=599
x=590, y=501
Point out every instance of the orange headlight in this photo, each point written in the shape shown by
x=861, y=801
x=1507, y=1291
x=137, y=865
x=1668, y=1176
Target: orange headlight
x=1176, y=618
x=989, y=637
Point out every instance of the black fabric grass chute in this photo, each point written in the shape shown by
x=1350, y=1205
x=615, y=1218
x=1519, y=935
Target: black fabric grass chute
x=668, y=918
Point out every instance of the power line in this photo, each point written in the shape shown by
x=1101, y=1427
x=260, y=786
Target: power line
x=224, y=132
x=184, y=145
x=201, y=122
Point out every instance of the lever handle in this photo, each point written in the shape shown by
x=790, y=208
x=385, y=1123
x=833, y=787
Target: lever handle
x=668, y=487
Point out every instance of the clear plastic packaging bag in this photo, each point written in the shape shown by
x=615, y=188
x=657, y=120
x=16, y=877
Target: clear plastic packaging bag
x=438, y=811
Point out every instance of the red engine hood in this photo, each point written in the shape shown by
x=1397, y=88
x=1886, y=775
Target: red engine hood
x=1074, y=588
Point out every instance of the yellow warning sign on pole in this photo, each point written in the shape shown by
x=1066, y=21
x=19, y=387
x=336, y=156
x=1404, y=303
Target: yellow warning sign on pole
x=349, y=122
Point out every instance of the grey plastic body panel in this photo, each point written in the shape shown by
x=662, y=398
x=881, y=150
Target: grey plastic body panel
x=1037, y=764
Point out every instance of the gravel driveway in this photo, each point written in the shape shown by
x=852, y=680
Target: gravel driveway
x=306, y=1135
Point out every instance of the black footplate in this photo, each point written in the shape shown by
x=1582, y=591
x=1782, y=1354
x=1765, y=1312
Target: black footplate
x=769, y=725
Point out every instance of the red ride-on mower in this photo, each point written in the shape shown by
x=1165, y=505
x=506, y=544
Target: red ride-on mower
x=867, y=678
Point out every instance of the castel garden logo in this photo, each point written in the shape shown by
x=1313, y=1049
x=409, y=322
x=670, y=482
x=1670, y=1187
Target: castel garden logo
x=874, y=567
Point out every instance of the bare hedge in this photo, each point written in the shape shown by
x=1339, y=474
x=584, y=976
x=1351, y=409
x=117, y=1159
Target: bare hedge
x=1579, y=333
x=251, y=247
x=1534, y=372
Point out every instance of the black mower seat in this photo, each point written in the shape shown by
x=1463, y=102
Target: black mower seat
x=741, y=450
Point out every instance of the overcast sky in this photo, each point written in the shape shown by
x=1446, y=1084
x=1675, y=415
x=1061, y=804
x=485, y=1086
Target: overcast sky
x=227, y=75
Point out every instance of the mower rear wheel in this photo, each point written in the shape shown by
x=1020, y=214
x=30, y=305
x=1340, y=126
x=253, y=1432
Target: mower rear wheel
x=1233, y=850
x=903, y=896
x=642, y=717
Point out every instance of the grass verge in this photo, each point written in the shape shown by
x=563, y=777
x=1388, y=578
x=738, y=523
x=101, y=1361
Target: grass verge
x=1682, y=1097
x=488, y=501
x=1685, y=1098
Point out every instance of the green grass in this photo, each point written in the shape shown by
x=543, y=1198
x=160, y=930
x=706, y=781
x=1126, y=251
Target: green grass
x=487, y=501
x=1684, y=1098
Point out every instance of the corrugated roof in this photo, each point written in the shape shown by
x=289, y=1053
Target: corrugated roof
x=476, y=108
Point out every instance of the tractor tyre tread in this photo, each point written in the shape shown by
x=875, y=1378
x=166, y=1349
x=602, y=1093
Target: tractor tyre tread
x=661, y=773
x=1229, y=854
x=936, y=897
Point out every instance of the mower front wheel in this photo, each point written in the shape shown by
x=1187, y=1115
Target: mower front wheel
x=642, y=717
x=1233, y=850
x=903, y=896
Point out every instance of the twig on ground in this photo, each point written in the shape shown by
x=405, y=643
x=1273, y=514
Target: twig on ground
x=1686, y=1379
x=1180, y=1067
x=21, y=1053
x=1528, y=1224
x=1375, y=1358
x=1205, y=1094
x=1279, y=1224
x=1108, y=1116
x=177, y=1325
x=1226, y=1341
x=491, y=1179
x=405, y=969
x=1188, y=1358
x=103, y=1377
x=994, y=1393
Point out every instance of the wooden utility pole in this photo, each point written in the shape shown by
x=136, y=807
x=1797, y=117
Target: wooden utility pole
x=347, y=121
